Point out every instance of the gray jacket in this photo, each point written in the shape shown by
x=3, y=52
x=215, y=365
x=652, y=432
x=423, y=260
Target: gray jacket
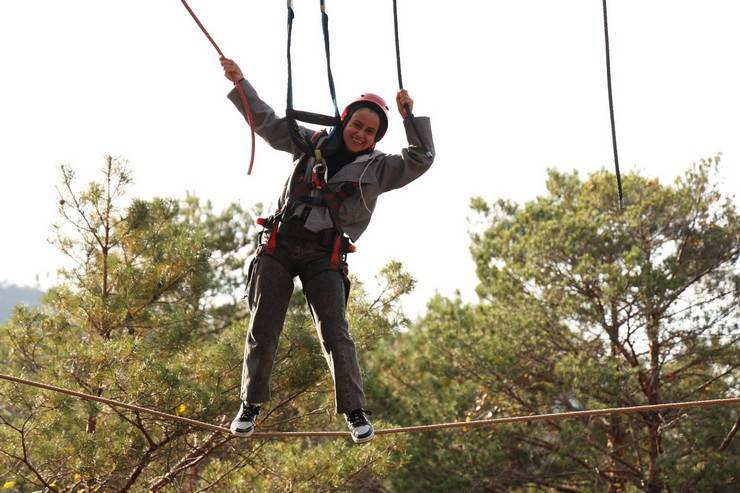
x=375, y=172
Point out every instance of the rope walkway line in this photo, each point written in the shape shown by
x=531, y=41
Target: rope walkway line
x=565, y=415
x=406, y=429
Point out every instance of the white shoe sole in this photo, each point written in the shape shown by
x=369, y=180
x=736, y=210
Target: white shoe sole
x=363, y=440
x=242, y=434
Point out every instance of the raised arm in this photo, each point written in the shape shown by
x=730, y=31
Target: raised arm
x=395, y=171
x=267, y=125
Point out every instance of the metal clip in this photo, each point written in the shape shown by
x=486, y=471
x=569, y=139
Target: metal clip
x=320, y=174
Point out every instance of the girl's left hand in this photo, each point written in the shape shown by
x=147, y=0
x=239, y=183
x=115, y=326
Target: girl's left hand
x=405, y=103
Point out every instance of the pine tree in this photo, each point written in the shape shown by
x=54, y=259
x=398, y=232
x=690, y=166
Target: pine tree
x=149, y=312
x=583, y=306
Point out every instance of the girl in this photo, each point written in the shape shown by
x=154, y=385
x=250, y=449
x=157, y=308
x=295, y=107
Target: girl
x=327, y=201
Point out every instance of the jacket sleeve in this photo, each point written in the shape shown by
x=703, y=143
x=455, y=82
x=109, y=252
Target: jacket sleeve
x=267, y=125
x=394, y=170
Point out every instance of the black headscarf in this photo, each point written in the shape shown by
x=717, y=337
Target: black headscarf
x=335, y=151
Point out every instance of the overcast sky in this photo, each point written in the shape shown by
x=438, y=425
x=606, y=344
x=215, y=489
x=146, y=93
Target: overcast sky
x=512, y=87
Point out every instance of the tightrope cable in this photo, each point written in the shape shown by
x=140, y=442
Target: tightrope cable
x=405, y=429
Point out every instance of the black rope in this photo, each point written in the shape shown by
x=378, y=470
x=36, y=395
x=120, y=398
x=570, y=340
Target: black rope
x=398, y=49
x=611, y=107
x=305, y=116
x=325, y=30
x=400, y=78
x=295, y=133
x=398, y=57
x=291, y=15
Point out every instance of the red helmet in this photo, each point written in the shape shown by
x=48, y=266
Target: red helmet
x=372, y=101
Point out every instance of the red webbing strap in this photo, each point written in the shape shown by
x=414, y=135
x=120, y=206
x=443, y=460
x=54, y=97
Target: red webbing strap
x=272, y=242
x=336, y=251
x=273, y=223
x=242, y=96
x=341, y=247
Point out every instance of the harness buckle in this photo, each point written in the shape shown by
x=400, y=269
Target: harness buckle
x=342, y=246
x=320, y=173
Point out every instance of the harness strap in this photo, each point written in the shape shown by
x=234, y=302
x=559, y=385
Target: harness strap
x=325, y=30
x=293, y=115
x=315, y=118
x=313, y=192
x=336, y=251
x=331, y=201
x=272, y=223
x=341, y=245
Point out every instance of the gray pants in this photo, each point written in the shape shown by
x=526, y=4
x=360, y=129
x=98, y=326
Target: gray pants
x=326, y=290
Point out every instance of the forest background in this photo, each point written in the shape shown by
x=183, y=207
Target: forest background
x=580, y=306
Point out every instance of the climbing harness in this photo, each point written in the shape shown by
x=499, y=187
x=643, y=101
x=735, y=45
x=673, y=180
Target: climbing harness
x=292, y=115
x=311, y=190
x=611, y=107
x=465, y=425
x=242, y=96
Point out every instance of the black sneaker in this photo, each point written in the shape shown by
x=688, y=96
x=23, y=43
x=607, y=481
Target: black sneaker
x=358, y=424
x=243, y=424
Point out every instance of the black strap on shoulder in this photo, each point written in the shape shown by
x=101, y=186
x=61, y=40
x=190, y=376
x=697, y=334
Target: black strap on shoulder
x=325, y=30
x=294, y=115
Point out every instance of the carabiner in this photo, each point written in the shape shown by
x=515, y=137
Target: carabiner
x=319, y=175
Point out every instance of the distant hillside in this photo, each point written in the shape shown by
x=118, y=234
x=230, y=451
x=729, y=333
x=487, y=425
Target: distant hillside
x=11, y=295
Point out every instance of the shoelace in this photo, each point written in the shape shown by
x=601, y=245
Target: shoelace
x=358, y=417
x=250, y=412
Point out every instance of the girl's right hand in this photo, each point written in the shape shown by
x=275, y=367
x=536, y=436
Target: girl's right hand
x=231, y=70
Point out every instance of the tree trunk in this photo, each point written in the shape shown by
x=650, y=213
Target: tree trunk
x=615, y=433
x=615, y=446
x=654, y=480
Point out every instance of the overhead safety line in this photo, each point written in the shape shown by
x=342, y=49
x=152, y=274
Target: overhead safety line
x=398, y=48
x=242, y=96
x=611, y=106
x=405, y=429
x=400, y=78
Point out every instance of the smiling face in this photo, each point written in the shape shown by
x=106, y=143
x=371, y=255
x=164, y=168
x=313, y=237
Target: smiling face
x=360, y=131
